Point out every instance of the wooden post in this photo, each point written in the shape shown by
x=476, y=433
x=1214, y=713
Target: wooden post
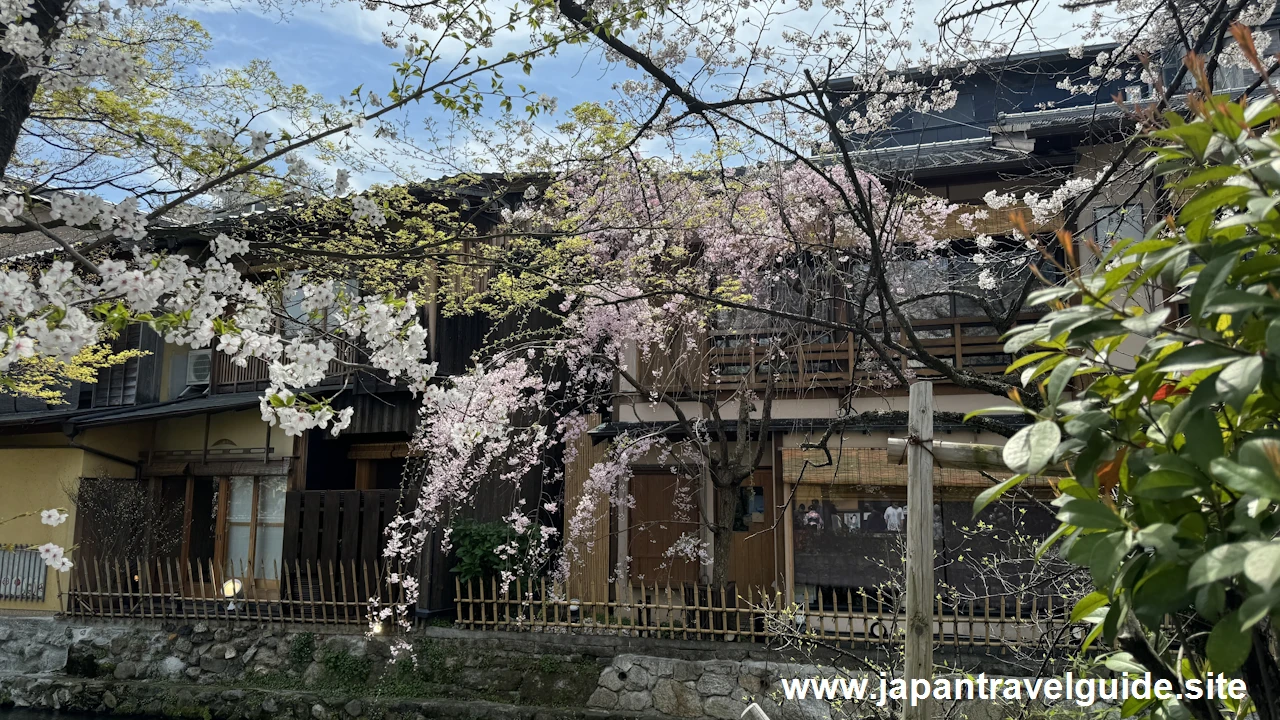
x=920, y=589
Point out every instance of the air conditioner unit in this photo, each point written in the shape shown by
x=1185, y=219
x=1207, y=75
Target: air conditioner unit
x=199, y=367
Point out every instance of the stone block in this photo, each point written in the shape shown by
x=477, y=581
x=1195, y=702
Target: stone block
x=353, y=708
x=609, y=680
x=126, y=671
x=213, y=664
x=724, y=708
x=685, y=670
x=711, y=684
x=674, y=698
x=634, y=700
x=637, y=678
x=603, y=699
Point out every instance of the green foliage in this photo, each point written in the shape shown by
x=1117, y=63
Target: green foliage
x=1174, y=447
x=475, y=546
x=345, y=671
x=302, y=649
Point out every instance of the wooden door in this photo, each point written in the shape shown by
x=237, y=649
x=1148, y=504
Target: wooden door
x=655, y=525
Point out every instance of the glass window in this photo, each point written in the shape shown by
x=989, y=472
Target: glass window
x=255, y=526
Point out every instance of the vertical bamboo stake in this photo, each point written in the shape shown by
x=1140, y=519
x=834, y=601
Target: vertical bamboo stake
x=920, y=591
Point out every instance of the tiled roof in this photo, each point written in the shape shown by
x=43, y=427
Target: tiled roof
x=927, y=156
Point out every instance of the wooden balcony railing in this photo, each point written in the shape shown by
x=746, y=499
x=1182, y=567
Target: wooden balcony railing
x=833, y=359
x=228, y=377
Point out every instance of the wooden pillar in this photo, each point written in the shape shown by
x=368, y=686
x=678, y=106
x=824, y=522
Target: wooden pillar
x=920, y=559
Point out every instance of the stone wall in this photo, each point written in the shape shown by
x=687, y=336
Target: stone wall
x=239, y=656
x=214, y=671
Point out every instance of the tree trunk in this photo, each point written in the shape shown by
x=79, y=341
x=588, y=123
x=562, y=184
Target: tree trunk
x=722, y=533
x=17, y=88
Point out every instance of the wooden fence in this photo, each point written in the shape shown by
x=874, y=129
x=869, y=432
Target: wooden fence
x=701, y=612
x=332, y=593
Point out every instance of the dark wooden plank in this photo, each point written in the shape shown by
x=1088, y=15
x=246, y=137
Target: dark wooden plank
x=310, y=540
x=292, y=520
x=350, y=543
x=370, y=525
x=329, y=533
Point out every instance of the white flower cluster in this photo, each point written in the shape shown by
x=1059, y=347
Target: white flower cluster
x=11, y=10
x=191, y=304
x=129, y=221
x=12, y=207
x=111, y=63
x=224, y=247
x=366, y=208
x=23, y=40
x=80, y=210
x=258, y=142
x=55, y=557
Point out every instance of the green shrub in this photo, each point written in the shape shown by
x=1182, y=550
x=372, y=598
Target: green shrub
x=1174, y=455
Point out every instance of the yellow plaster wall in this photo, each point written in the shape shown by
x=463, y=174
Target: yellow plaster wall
x=244, y=428
x=125, y=441
x=32, y=480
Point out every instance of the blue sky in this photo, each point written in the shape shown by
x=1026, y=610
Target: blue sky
x=333, y=49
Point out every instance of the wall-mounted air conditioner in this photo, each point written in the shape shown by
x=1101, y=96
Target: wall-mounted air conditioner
x=199, y=367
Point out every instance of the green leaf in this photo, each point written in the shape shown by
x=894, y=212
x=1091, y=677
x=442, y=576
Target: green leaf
x=1088, y=604
x=1148, y=323
x=1166, y=485
x=1229, y=644
x=1212, y=280
x=1263, y=565
x=1234, y=301
x=1089, y=514
x=1059, y=378
x=1028, y=359
x=1245, y=479
x=1087, y=423
x=997, y=410
x=1239, y=379
x=1200, y=177
x=1256, y=607
x=1197, y=357
x=1221, y=562
x=1203, y=437
x=1209, y=201
x=988, y=496
x=1031, y=449
x=1262, y=454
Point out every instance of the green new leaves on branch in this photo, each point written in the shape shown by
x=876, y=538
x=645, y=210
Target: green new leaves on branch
x=1172, y=431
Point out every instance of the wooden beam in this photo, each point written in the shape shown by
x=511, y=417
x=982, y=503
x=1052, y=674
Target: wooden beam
x=920, y=558
x=966, y=456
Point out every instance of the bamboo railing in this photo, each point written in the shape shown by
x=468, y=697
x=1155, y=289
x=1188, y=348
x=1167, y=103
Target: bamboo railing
x=848, y=618
x=302, y=591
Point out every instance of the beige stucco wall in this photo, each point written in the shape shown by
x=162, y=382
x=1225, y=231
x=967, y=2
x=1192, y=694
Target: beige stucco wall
x=243, y=428
x=32, y=480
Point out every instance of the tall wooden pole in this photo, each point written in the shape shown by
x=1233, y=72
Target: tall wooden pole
x=920, y=589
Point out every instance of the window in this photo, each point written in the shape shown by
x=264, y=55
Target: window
x=254, y=526
x=1112, y=222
